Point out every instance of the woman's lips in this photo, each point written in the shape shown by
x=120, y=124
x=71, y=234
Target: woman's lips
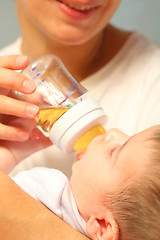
x=76, y=11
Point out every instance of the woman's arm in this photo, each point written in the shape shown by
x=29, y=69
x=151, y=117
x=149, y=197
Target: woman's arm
x=24, y=218
x=21, y=216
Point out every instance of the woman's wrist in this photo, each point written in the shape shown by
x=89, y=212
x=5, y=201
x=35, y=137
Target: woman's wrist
x=7, y=160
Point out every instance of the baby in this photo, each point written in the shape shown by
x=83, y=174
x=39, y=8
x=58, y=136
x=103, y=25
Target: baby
x=114, y=190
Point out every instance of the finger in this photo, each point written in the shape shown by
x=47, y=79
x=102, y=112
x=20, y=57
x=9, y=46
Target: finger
x=17, y=108
x=14, y=62
x=37, y=140
x=16, y=81
x=23, y=149
x=28, y=124
x=11, y=133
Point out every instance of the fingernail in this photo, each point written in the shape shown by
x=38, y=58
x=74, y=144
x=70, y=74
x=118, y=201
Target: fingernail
x=23, y=135
x=29, y=85
x=32, y=110
x=21, y=59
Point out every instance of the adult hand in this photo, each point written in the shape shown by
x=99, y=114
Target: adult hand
x=10, y=107
x=19, y=136
x=12, y=152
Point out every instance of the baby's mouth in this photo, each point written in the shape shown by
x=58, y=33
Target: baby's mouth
x=79, y=155
x=76, y=7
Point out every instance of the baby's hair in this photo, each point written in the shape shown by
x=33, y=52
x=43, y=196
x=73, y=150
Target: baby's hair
x=136, y=205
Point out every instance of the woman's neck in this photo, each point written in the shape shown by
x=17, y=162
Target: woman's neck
x=79, y=59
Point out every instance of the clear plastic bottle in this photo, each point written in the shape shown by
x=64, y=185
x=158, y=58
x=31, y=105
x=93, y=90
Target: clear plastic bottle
x=67, y=116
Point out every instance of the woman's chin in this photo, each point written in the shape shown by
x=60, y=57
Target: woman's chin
x=69, y=40
x=71, y=37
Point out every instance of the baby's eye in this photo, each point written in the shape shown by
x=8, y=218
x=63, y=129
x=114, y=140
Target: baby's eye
x=113, y=150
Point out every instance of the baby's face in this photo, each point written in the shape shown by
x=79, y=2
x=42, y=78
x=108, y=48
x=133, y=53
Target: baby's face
x=109, y=161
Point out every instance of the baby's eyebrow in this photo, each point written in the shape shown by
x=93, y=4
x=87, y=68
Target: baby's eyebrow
x=121, y=149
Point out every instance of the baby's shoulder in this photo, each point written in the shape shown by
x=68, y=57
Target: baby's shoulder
x=41, y=176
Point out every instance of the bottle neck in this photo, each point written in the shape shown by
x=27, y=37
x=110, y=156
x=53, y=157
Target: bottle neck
x=82, y=143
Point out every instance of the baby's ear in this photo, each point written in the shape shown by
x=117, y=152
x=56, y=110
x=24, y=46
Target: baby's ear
x=102, y=228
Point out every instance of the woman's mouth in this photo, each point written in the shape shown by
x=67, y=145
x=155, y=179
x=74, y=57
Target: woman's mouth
x=76, y=11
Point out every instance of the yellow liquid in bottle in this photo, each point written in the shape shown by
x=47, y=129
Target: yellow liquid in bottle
x=82, y=143
x=48, y=116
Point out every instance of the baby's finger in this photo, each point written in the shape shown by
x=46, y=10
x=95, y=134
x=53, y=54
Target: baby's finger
x=14, y=62
x=11, y=133
x=16, y=81
x=17, y=108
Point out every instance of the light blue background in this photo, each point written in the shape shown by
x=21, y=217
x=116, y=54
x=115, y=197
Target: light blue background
x=140, y=15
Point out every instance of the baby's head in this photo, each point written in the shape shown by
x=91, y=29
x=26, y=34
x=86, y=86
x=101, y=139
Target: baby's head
x=136, y=204
x=116, y=185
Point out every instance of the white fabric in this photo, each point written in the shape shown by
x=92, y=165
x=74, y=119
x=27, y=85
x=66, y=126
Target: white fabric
x=51, y=187
x=128, y=88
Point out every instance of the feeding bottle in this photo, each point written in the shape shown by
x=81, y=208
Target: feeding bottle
x=67, y=116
